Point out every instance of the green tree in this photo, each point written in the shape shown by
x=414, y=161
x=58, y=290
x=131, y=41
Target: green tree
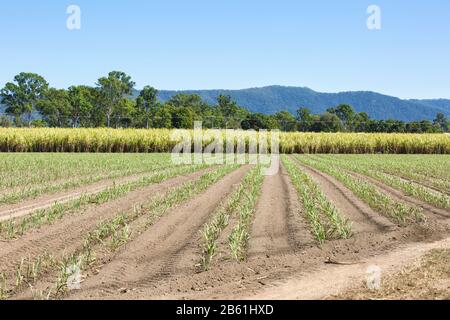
x=55, y=107
x=123, y=112
x=94, y=115
x=81, y=106
x=344, y=112
x=305, y=119
x=428, y=127
x=113, y=89
x=227, y=106
x=187, y=107
x=255, y=121
x=232, y=113
x=22, y=95
x=163, y=117
x=442, y=121
x=147, y=103
x=286, y=120
x=328, y=122
x=183, y=118
x=183, y=100
x=5, y=122
x=360, y=122
x=414, y=127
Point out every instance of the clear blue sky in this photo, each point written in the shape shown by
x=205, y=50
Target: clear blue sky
x=324, y=45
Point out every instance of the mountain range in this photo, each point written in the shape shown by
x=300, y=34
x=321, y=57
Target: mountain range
x=271, y=99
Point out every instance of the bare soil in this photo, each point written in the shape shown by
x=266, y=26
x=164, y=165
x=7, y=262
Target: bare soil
x=160, y=251
x=283, y=259
x=270, y=232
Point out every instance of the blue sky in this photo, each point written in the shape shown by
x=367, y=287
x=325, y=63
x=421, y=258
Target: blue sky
x=205, y=44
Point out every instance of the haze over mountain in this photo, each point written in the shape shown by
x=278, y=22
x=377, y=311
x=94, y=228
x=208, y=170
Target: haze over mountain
x=271, y=99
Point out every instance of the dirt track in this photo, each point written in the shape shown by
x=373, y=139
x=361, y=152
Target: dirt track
x=334, y=279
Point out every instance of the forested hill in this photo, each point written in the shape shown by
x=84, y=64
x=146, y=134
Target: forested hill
x=269, y=100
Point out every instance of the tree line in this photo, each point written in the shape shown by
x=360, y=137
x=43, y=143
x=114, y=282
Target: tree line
x=110, y=104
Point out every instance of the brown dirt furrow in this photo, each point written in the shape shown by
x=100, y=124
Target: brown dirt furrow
x=68, y=233
x=443, y=214
x=363, y=217
x=43, y=202
x=160, y=251
x=270, y=231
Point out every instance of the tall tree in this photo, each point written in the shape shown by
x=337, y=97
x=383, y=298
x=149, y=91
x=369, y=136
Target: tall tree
x=227, y=106
x=55, y=107
x=163, y=117
x=286, y=120
x=147, y=103
x=183, y=118
x=305, y=119
x=123, y=112
x=81, y=107
x=344, y=112
x=360, y=122
x=328, y=122
x=183, y=100
x=113, y=89
x=442, y=121
x=22, y=95
x=232, y=113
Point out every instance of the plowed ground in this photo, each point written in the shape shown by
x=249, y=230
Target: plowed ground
x=283, y=260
